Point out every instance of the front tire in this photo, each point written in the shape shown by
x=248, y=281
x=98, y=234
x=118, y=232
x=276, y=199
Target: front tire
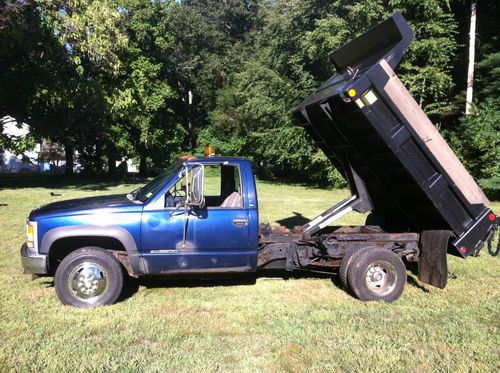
x=89, y=277
x=377, y=275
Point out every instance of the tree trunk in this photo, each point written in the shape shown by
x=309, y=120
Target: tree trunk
x=143, y=168
x=69, y=151
x=99, y=164
x=470, y=70
x=111, y=161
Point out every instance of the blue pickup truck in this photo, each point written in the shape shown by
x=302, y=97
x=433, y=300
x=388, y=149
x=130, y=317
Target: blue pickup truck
x=201, y=215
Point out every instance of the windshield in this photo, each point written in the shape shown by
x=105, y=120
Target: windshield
x=144, y=193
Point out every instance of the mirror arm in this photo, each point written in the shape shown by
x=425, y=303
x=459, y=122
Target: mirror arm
x=186, y=174
x=184, y=228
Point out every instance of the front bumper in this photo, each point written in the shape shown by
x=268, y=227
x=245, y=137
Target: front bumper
x=33, y=263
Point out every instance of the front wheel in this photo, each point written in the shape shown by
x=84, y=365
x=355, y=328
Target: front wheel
x=89, y=277
x=377, y=274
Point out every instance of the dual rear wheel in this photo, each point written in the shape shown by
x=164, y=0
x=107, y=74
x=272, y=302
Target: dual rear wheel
x=373, y=274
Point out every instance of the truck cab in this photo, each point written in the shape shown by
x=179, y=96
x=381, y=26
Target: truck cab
x=203, y=218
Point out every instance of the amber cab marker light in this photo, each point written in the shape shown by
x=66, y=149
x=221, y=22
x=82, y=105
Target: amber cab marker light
x=351, y=92
x=210, y=151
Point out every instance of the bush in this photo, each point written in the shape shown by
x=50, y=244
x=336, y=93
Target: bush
x=477, y=143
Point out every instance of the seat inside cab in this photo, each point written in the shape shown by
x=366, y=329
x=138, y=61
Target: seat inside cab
x=222, y=186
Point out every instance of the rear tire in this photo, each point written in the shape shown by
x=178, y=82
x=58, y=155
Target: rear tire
x=346, y=262
x=377, y=275
x=89, y=277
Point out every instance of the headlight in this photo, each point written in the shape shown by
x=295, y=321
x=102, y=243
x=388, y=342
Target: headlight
x=31, y=237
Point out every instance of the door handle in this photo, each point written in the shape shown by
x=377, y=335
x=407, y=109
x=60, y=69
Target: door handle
x=240, y=221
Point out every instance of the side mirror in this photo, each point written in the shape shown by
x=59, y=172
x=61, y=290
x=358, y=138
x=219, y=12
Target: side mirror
x=194, y=189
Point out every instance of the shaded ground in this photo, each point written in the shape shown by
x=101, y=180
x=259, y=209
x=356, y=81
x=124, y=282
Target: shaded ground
x=81, y=182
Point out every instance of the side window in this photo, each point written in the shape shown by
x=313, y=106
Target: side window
x=212, y=181
x=222, y=186
x=237, y=180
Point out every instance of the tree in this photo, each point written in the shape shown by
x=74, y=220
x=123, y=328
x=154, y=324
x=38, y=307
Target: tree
x=477, y=136
x=141, y=99
x=148, y=80
x=26, y=48
x=289, y=60
x=211, y=42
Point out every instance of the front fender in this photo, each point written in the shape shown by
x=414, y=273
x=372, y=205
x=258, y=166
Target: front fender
x=116, y=232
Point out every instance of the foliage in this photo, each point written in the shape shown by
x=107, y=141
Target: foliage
x=488, y=72
x=477, y=137
x=16, y=144
x=88, y=29
x=120, y=79
x=477, y=141
x=427, y=67
x=142, y=122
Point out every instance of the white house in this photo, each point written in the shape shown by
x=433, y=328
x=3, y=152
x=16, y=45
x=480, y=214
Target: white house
x=9, y=162
x=36, y=160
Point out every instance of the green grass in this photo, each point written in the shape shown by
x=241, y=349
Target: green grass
x=274, y=325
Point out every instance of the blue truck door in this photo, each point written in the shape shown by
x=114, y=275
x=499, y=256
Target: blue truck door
x=216, y=237
x=221, y=230
x=220, y=237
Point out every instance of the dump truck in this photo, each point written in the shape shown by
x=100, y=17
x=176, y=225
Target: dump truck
x=201, y=215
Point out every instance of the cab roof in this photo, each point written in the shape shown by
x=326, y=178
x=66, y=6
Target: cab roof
x=215, y=159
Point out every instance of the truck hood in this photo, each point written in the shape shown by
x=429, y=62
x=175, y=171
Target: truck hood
x=114, y=203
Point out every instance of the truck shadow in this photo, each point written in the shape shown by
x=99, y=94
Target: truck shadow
x=131, y=285
x=412, y=279
x=293, y=221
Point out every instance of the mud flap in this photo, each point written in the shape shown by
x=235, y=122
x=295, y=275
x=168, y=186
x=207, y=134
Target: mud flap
x=433, y=265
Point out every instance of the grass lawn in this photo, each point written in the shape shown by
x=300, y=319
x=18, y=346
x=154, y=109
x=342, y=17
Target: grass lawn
x=273, y=325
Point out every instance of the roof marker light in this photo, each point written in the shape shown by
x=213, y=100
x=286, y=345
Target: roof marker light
x=210, y=151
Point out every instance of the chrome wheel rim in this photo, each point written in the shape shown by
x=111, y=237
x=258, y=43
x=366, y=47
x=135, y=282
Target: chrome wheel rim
x=88, y=281
x=381, y=278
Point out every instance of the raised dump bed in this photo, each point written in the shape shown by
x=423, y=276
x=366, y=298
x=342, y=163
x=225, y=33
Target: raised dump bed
x=398, y=165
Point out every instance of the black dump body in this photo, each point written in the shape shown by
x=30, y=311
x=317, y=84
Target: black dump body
x=374, y=132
